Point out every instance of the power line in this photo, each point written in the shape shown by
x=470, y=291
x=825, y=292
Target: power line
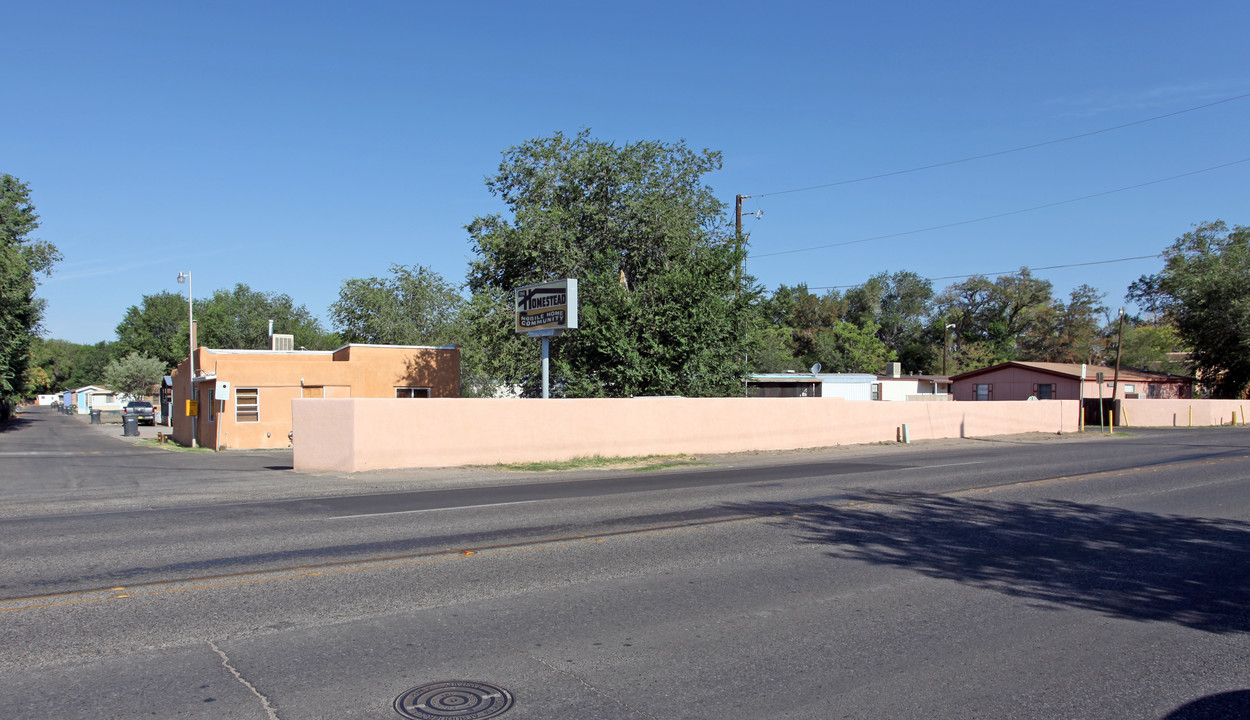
x=1003, y=214
x=1010, y=272
x=1008, y=151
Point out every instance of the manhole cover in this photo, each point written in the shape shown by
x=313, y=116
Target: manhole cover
x=454, y=699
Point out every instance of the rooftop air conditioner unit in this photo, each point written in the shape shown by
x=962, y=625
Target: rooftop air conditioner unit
x=284, y=343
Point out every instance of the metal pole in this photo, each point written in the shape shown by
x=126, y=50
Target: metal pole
x=1080, y=403
x=1102, y=417
x=191, y=345
x=546, y=366
x=191, y=342
x=945, y=343
x=1119, y=343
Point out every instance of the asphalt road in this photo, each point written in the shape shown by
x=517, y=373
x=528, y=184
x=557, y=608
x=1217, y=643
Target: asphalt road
x=1038, y=577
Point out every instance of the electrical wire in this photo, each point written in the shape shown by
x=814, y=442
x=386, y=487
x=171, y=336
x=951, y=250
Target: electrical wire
x=1008, y=272
x=1008, y=151
x=1000, y=215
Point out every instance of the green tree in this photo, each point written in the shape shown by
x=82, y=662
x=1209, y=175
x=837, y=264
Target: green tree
x=900, y=306
x=845, y=347
x=414, y=306
x=664, y=308
x=22, y=260
x=1066, y=332
x=238, y=319
x=134, y=374
x=771, y=350
x=157, y=328
x=992, y=318
x=1148, y=347
x=1204, y=292
x=70, y=365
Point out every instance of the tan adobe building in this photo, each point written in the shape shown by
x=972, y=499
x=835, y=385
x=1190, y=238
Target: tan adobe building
x=244, y=396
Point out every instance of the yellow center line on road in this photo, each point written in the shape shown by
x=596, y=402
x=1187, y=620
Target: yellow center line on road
x=165, y=587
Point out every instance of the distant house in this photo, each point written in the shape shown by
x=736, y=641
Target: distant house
x=892, y=386
x=1062, y=381
x=243, y=397
x=84, y=398
x=850, y=386
x=895, y=386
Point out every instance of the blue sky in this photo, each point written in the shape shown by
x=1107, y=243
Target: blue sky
x=289, y=146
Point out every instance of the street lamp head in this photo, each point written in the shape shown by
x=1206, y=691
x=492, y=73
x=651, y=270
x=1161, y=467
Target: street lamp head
x=948, y=327
x=183, y=277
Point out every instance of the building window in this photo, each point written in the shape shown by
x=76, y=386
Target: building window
x=247, y=405
x=1044, y=391
x=876, y=391
x=410, y=392
x=983, y=392
x=1130, y=388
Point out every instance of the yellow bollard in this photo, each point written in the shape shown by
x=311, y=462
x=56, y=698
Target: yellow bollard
x=1111, y=421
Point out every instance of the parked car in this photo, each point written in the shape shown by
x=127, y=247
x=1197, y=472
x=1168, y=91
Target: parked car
x=142, y=409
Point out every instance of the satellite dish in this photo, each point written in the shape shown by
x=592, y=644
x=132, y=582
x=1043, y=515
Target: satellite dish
x=816, y=368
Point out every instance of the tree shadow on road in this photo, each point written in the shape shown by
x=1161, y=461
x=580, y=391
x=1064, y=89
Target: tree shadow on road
x=17, y=422
x=1121, y=563
x=1233, y=705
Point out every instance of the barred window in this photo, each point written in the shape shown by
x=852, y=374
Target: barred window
x=412, y=392
x=247, y=405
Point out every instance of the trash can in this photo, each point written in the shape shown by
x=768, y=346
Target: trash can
x=130, y=425
x=95, y=417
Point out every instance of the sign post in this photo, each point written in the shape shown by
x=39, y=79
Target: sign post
x=546, y=310
x=1102, y=417
x=1081, y=401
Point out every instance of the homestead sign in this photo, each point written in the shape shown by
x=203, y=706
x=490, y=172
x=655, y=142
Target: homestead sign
x=550, y=306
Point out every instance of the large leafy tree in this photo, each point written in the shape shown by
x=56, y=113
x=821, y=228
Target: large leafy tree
x=157, y=327
x=66, y=365
x=899, y=305
x=22, y=260
x=801, y=329
x=238, y=319
x=414, y=306
x=846, y=347
x=1069, y=332
x=1204, y=292
x=134, y=374
x=1152, y=347
x=664, y=307
x=992, y=317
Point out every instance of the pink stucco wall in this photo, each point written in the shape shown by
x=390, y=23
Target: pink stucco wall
x=368, y=434
x=1181, y=413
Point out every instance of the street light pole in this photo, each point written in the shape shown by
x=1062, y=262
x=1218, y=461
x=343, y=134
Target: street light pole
x=186, y=277
x=946, y=341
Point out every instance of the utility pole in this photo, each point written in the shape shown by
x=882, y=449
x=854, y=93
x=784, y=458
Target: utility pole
x=738, y=233
x=1119, y=343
